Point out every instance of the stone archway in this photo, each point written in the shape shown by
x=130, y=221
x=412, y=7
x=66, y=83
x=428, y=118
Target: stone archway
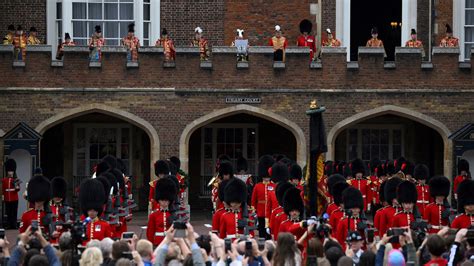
x=402, y=112
x=242, y=109
x=111, y=111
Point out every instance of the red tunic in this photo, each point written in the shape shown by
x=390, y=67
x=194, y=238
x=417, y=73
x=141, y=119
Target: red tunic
x=386, y=218
x=97, y=229
x=9, y=189
x=437, y=262
x=279, y=219
x=308, y=41
x=424, y=197
x=363, y=185
x=158, y=223
x=374, y=188
x=334, y=219
x=331, y=208
x=402, y=219
x=463, y=221
x=216, y=219
x=261, y=198
x=342, y=229
x=229, y=225
x=432, y=215
x=377, y=216
x=58, y=218
x=457, y=181
x=33, y=215
x=275, y=212
x=286, y=225
x=297, y=230
x=151, y=196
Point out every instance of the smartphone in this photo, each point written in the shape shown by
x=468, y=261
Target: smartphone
x=248, y=249
x=34, y=226
x=228, y=244
x=261, y=243
x=396, y=231
x=370, y=235
x=127, y=255
x=2, y=233
x=180, y=229
x=127, y=235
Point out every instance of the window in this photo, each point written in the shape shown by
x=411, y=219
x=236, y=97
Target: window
x=112, y=15
x=146, y=23
x=374, y=141
x=59, y=21
x=94, y=141
x=469, y=29
x=234, y=140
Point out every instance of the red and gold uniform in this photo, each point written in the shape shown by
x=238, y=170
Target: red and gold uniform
x=374, y=42
x=336, y=216
x=424, y=198
x=158, y=223
x=202, y=43
x=33, y=40
x=463, y=221
x=279, y=44
x=402, y=219
x=433, y=215
x=97, y=229
x=331, y=208
x=60, y=53
x=264, y=200
x=132, y=43
x=8, y=38
x=216, y=219
x=153, y=204
x=57, y=218
x=10, y=188
x=377, y=217
x=449, y=42
x=19, y=46
x=373, y=197
x=229, y=225
x=278, y=217
x=332, y=43
x=168, y=48
x=343, y=227
x=33, y=215
x=363, y=185
x=95, y=45
x=386, y=217
x=414, y=44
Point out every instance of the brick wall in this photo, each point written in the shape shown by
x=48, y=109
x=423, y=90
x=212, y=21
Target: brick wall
x=258, y=19
x=180, y=18
x=423, y=25
x=328, y=16
x=444, y=11
x=26, y=13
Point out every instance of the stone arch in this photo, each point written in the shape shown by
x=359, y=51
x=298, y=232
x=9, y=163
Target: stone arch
x=242, y=109
x=399, y=111
x=111, y=111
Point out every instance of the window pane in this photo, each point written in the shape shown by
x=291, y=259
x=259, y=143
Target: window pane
x=111, y=30
x=125, y=151
x=384, y=152
x=239, y=135
x=467, y=51
x=229, y=135
x=352, y=136
x=146, y=43
x=59, y=10
x=79, y=29
x=220, y=149
x=374, y=151
x=397, y=151
x=374, y=136
x=229, y=150
x=146, y=12
x=94, y=151
x=384, y=136
x=79, y=10
x=146, y=30
x=125, y=135
x=251, y=135
x=103, y=150
x=250, y=151
x=469, y=36
x=365, y=152
x=352, y=152
x=208, y=135
x=93, y=138
x=208, y=151
x=365, y=136
x=220, y=135
x=95, y=11
x=470, y=3
x=124, y=29
x=238, y=151
x=60, y=29
x=80, y=41
x=126, y=11
x=397, y=137
x=81, y=167
x=111, y=11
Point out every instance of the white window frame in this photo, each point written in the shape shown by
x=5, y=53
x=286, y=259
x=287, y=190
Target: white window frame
x=391, y=128
x=52, y=32
x=214, y=127
x=459, y=25
x=87, y=127
x=343, y=22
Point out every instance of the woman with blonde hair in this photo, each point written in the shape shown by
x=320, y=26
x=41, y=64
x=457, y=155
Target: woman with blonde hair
x=91, y=257
x=286, y=252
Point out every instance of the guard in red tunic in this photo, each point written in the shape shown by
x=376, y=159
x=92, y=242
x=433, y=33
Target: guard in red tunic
x=332, y=180
x=378, y=176
x=406, y=197
x=390, y=195
x=39, y=194
x=216, y=217
x=306, y=39
x=465, y=205
x=161, y=169
x=60, y=212
x=91, y=199
x=235, y=195
x=421, y=174
x=359, y=180
x=278, y=214
x=261, y=193
x=10, y=188
x=379, y=212
x=280, y=173
x=214, y=183
x=338, y=213
x=437, y=213
x=463, y=173
x=329, y=169
x=159, y=221
x=293, y=207
x=354, y=206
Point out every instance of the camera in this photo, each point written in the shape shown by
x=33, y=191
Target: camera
x=180, y=228
x=322, y=229
x=228, y=244
x=261, y=243
x=127, y=235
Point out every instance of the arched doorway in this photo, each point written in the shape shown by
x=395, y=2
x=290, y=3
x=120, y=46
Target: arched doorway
x=72, y=144
x=239, y=130
x=414, y=135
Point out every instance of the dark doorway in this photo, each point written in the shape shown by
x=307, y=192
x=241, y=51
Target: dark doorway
x=366, y=14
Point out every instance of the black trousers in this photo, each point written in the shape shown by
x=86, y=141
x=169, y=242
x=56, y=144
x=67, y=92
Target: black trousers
x=278, y=55
x=261, y=228
x=11, y=210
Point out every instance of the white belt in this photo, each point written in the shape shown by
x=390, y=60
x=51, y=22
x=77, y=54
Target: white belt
x=160, y=233
x=363, y=196
x=10, y=189
x=232, y=236
x=422, y=201
x=437, y=227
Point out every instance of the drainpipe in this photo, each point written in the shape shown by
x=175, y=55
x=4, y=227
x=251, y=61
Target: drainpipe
x=430, y=41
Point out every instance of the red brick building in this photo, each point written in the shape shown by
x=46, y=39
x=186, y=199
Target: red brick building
x=401, y=106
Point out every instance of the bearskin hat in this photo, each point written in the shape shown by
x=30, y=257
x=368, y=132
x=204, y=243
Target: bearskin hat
x=58, y=187
x=407, y=168
x=390, y=168
x=92, y=196
x=332, y=180
x=119, y=177
x=413, y=31
x=398, y=163
x=357, y=166
x=329, y=167
x=112, y=181
x=226, y=168
x=122, y=166
x=337, y=190
x=39, y=189
x=67, y=36
x=111, y=160
x=465, y=195
x=175, y=180
x=161, y=168
x=242, y=164
x=264, y=163
x=352, y=198
x=10, y=165
x=421, y=172
x=235, y=191
x=406, y=192
x=292, y=201
x=373, y=165
x=221, y=189
x=102, y=167
x=98, y=28
x=280, y=172
x=306, y=26
x=339, y=168
x=296, y=172
x=463, y=165
x=382, y=191
x=347, y=170
x=286, y=161
x=449, y=29
x=165, y=189
x=280, y=190
x=106, y=184
x=131, y=27
x=175, y=160
x=439, y=186
x=390, y=189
